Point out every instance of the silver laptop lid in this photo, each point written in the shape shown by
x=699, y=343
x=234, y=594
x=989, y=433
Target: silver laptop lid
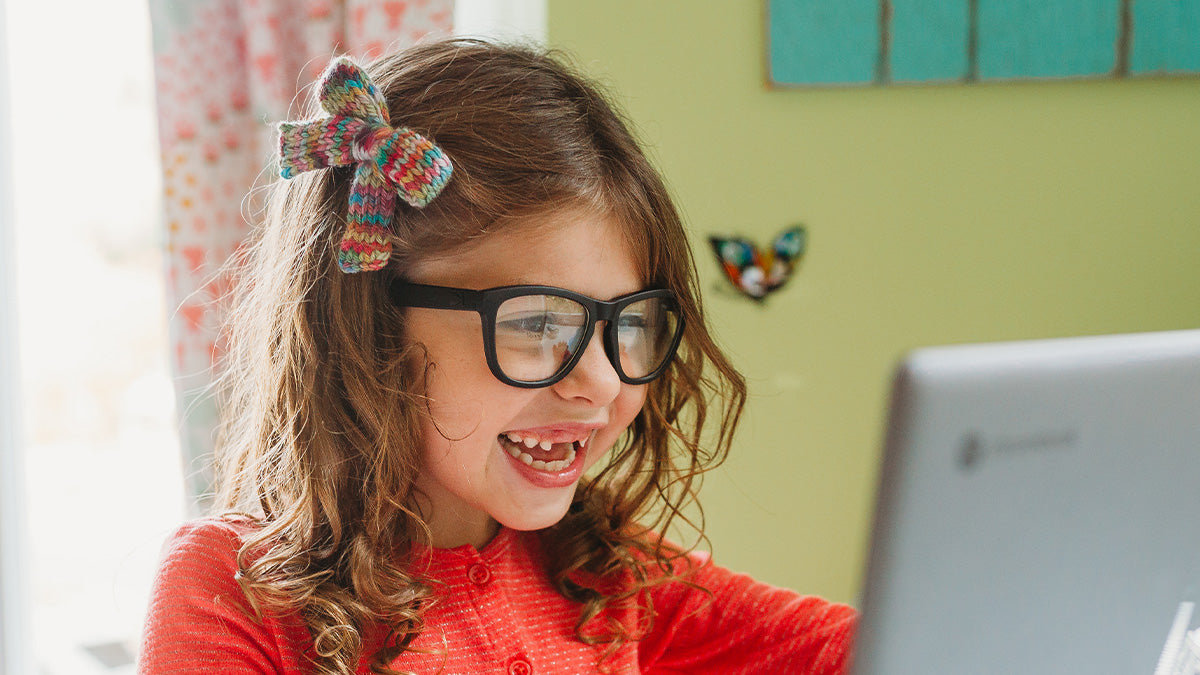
x=1038, y=509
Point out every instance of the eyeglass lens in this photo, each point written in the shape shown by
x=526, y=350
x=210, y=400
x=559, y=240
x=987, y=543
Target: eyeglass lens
x=537, y=335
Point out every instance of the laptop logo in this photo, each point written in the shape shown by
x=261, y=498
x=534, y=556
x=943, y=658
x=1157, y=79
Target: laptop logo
x=973, y=447
x=970, y=453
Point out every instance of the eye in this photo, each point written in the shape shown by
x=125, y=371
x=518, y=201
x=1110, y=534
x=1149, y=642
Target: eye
x=630, y=320
x=531, y=325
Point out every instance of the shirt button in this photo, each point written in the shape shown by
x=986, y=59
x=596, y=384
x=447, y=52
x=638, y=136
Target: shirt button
x=479, y=574
x=519, y=666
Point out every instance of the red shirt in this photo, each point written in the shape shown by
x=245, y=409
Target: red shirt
x=496, y=613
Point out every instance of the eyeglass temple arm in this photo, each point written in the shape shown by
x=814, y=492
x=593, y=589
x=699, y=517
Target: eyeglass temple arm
x=407, y=294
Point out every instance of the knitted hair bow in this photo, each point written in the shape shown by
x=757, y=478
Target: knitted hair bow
x=387, y=161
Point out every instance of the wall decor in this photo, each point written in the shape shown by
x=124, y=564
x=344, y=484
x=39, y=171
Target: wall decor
x=756, y=272
x=864, y=42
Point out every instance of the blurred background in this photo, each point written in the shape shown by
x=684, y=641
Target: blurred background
x=936, y=214
x=98, y=428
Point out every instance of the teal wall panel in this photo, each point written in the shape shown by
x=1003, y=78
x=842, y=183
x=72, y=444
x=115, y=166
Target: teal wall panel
x=929, y=40
x=1166, y=36
x=824, y=42
x=1047, y=38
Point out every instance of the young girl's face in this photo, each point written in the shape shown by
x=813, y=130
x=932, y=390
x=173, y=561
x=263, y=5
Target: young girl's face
x=473, y=474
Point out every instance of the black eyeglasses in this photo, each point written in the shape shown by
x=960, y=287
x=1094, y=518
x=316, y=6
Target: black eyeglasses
x=534, y=335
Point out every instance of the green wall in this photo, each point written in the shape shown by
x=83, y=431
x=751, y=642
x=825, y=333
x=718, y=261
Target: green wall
x=936, y=215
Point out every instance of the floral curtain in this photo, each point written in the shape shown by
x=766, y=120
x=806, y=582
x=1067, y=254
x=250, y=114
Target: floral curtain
x=226, y=71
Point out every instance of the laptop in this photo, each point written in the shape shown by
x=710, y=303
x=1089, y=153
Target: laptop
x=1038, y=511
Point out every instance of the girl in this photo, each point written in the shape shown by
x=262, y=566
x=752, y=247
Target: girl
x=457, y=420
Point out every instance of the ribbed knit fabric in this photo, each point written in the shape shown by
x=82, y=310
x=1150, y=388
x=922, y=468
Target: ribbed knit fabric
x=387, y=161
x=496, y=613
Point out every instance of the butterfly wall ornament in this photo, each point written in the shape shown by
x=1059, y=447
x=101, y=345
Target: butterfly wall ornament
x=756, y=272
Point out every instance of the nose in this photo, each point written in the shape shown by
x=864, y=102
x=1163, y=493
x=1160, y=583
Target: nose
x=593, y=378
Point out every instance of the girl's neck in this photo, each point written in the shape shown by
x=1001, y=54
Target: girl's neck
x=452, y=531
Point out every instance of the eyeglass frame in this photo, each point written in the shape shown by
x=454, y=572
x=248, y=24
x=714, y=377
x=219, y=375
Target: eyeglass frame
x=486, y=302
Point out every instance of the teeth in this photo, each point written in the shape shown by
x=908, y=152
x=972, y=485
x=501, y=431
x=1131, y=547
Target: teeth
x=540, y=465
x=545, y=445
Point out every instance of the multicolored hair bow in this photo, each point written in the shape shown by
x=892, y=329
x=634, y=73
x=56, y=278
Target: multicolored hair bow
x=387, y=161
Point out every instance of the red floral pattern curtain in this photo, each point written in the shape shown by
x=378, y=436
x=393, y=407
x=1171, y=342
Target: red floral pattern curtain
x=226, y=71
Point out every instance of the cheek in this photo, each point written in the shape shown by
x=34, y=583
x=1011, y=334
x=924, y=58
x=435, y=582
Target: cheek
x=629, y=403
x=451, y=414
x=469, y=407
x=625, y=409
x=456, y=382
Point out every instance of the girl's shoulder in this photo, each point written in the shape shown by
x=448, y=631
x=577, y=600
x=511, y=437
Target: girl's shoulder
x=199, y=562
x=226, y=527
x=213, y=541
x=200, y=619
x=712, y=618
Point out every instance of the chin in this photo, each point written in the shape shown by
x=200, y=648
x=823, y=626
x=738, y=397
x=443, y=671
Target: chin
x=538, y=518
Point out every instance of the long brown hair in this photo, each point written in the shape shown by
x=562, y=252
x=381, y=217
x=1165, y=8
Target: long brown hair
x=322, y=410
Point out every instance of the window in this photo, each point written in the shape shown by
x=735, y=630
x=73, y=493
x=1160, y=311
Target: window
x=99, y=438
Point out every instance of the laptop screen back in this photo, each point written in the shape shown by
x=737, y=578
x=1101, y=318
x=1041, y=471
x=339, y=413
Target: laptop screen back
x=1038, y=508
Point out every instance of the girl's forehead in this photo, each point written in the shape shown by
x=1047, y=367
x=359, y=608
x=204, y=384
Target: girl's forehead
x=533, y=240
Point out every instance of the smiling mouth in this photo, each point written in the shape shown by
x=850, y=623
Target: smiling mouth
x=542, y=455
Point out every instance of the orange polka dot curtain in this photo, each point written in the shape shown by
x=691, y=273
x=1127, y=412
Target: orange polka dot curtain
x=225, y=72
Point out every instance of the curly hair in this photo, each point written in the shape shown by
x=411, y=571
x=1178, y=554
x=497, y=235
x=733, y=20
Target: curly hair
x=321, y=405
